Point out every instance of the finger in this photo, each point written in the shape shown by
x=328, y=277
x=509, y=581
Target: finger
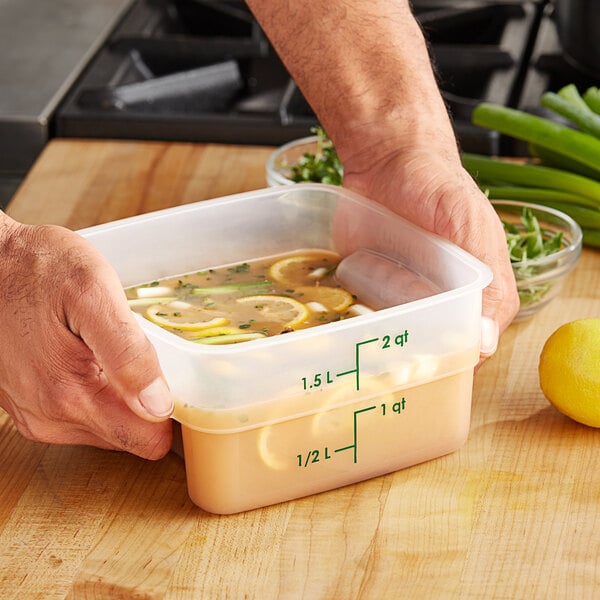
x=475, y=226
x=88, y=414
x=490, y=334
x=103, y=320
x=380, y=281
x=123, y=430
x=130, y=362
x=500, y=298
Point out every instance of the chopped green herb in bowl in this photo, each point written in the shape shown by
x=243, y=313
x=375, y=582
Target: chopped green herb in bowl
x=310, y=159
x=322, y=166
x=544, y=246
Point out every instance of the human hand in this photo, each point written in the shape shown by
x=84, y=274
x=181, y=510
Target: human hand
x=377, y=97
x=75, y=368
x=432, y=190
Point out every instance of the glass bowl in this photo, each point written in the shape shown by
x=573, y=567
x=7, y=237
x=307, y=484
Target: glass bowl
x=279, y=162
x=539, y=280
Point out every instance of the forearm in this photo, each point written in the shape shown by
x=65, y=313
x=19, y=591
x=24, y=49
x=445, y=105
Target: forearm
x=365, y=69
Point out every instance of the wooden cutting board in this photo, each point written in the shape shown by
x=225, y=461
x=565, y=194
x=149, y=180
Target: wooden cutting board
x=515, y=513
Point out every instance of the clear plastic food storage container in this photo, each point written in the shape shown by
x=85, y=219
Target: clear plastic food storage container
x=283, y=417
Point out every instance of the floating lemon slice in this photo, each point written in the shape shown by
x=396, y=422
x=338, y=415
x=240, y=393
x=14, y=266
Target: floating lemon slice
x=223, y=335
x=217, y=330
x=333, y=298
x=274, y=448
x=278, y=309
x=180, y=315
x=303, y=268
x=228, y=338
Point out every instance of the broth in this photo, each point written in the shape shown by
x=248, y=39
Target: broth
x=249, y=300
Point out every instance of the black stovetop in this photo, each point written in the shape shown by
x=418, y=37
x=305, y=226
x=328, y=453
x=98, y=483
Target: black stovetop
x=202, y=70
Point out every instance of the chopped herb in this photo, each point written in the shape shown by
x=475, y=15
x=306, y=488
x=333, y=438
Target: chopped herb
x=526, y=242
x=154, y=284
x=243, y=268
x=322, y=167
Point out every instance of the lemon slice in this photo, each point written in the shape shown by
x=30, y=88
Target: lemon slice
x=274, y=448
x=186, y=318
x=303, y=268
x=333, y=298
x=217, y=330
x=230, y=338
x=279, y=309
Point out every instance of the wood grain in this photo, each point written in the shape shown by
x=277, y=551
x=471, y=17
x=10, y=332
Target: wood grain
x=513, y=514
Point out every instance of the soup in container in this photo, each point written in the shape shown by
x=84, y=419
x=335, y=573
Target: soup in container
x=285, y=416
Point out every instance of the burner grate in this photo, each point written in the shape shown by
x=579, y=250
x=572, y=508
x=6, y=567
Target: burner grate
x=202, y=70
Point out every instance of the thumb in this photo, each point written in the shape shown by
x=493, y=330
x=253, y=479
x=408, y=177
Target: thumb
x=104, y=321
x=490, y=333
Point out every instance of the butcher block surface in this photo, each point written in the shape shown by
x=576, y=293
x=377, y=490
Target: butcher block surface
x=514, y=513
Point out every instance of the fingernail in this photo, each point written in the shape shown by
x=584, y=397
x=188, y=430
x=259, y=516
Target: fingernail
x=489, y=336
x=156, y=399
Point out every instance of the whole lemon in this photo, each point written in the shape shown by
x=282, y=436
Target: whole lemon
x=569, y=370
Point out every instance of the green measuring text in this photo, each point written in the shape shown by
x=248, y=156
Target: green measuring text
x=317, y=380
x=317, y=455
x=324, y=377
x=312, y=457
